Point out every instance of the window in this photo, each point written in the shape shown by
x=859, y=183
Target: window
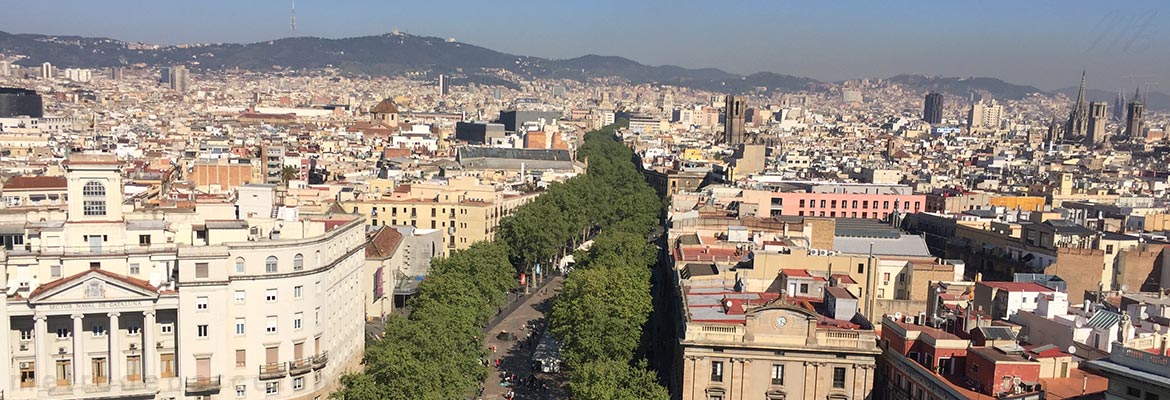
x=777, y=374
x=822, y=204
x=241, y=358
x=270, y=264
x=240, y=268
x=298, y=291
x=854, y=203
x=317, y=376
x=201, y=331
x=55, y=271
x=135, y=269
x=240, y=327
x=271, y=387
x=717, y=371
x=839, y=377
x=298, y=383
x=93, y=199
x=28, y=377
x=1152, y=396
x=270, y=295
x=802, y=202
x=98, y=329
x=241, y=391
x=297, y=320
x=167, y=365
x=298, y=262
x=26, y=334
x=1108, y=249
x=144, y=240
x=167, y=329
x=1133, y=392
x=270, y=324
x=833, y=204
x=133, y=330
x=201, y=303
x=861, y=268
x=201, y=270
x=885, y=204
x=240, y=297
x=804, y=288
x=885, y=278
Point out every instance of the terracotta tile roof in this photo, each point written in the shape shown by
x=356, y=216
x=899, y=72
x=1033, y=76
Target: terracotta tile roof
x=384, y=243
x=35, y=182
x=121, y=278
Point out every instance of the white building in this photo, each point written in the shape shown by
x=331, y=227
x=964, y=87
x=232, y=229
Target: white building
x=109, y=301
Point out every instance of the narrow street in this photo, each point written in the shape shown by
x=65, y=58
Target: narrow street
x=515, y=356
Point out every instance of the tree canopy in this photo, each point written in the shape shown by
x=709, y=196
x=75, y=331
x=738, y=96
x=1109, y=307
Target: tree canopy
x=433, y=354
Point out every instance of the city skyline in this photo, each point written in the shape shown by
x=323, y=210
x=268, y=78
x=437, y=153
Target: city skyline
x=1035, y=45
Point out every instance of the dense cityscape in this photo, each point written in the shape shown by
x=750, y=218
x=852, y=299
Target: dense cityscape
x=215, y=221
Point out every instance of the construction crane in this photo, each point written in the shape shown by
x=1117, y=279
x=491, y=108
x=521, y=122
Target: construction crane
x=292, y=21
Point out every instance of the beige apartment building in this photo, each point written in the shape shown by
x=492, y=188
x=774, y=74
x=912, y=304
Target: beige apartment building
x=108, y=301
x=466, y=210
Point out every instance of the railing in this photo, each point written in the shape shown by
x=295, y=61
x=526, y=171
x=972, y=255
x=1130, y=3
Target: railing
x=300, y=366
x=841, y=338
x=714, y=332
x=96, y=250
x=203, y=384
x=273, y=370
x=320, y=360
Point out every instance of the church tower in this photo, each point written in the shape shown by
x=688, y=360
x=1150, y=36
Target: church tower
x=1078, y=118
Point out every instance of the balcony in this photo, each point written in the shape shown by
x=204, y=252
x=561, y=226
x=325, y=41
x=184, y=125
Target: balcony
x=273, y=371
x=203, y=385
x=320, y=360
x=300, y=366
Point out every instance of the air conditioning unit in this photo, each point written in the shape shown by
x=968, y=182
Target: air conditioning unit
x=159, y=345
x=133, y=346
x=60, y=350
x=25, y=365
x=23, y=346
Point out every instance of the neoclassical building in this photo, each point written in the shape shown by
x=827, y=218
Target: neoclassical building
x=108, y=299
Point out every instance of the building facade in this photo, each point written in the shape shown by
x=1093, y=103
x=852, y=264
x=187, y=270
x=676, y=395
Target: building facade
x=105, y=300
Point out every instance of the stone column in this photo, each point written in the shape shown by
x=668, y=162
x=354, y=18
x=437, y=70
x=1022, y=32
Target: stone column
x=41, y=332
x=115, y=358
x=79, y=358
x=148, y=346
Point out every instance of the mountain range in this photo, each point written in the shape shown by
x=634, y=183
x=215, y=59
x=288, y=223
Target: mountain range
x=392, y=54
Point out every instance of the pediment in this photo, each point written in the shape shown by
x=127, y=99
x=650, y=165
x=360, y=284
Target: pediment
x=92, y=286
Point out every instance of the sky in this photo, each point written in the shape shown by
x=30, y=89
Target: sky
x=1044, y=43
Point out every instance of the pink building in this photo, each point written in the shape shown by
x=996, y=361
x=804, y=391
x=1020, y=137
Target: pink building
x=834, y=205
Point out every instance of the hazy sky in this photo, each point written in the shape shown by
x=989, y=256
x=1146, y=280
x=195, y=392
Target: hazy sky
x=1041, y=43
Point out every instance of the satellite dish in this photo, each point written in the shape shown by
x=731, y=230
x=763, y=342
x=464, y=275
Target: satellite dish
x=1017, y=380
x=1072, y=349
x=1124, y=288
x=898, y=316
x=1079, y=324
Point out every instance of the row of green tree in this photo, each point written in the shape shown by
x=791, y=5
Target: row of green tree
x=437, y=353
x=599, y=314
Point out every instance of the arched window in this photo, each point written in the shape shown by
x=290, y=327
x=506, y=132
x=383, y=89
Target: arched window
x=270, y=264
x=93, y=198
x=318, y=258
x=298, y=262
x=240, y=268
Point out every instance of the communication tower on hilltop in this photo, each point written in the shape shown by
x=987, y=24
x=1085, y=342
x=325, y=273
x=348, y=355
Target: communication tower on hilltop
x=292, y=21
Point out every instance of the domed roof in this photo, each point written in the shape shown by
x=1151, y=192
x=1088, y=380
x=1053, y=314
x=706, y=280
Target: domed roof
x=385, y=107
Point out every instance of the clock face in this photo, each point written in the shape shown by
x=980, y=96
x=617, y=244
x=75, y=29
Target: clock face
x=781, y=321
